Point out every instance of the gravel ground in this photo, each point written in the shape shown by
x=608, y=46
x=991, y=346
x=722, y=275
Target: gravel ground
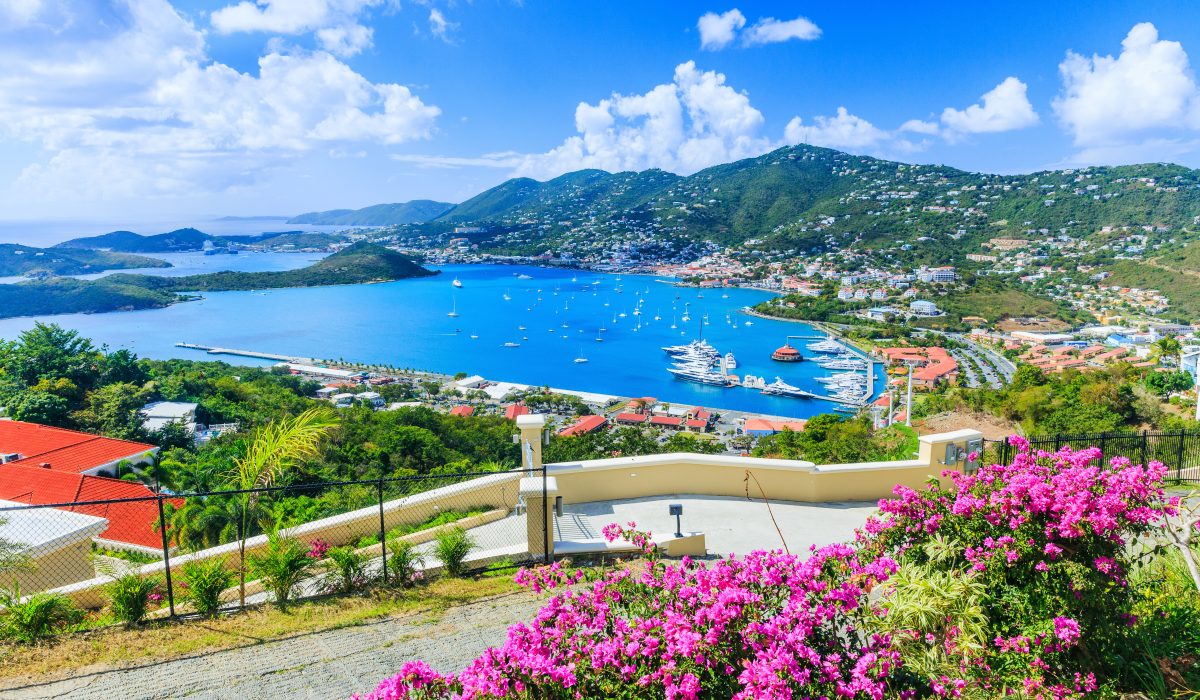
x=327, y=665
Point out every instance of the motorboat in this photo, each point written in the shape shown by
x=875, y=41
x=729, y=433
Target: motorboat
x=457, y=283
x=730, y=361
x=511, y=344
x=827, y=346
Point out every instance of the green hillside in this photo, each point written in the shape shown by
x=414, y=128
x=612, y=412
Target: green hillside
x=17, y=260
x=805, y=198
x=414, y=212
x=356, y=264
x=178, y=241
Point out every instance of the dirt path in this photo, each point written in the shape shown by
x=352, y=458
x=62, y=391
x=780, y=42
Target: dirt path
x=326, y=665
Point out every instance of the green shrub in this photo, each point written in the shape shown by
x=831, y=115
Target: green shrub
x=129, y=596
x=346, y=569
x=37, y=617
x=282, y=566
x=404, y=563
x=452, y=546
x=203, y=581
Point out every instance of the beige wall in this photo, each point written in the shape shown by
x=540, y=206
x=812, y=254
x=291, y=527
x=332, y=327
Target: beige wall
x=722, y=475
x=613, y=479
x=58, y=568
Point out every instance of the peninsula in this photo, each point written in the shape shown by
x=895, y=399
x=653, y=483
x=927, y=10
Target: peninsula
x=17, y=260
x=356, y=264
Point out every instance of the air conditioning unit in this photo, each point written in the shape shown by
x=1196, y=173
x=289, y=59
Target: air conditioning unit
x=5, y=458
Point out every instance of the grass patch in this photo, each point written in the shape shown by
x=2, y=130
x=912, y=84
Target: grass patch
x=160, y=641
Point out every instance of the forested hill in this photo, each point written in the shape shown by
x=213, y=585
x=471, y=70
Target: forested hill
x=178, y=241
x=356, y=264
x=414, y=212
x=805, y=197
x=16, y=260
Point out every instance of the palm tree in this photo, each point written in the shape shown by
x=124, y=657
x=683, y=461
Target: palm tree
x=202, y=522
x=273, y=449
x=1168, y=346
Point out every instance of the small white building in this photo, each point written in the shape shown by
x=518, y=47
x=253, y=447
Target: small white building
x=158, y=414
x=327, y=392
x=57, y=543
x=371, y=398
x=923, y=308
x=343, y=400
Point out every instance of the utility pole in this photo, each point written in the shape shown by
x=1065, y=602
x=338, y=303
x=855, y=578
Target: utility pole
x=908, y=405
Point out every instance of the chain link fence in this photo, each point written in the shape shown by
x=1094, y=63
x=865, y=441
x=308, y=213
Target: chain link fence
x=226, y=549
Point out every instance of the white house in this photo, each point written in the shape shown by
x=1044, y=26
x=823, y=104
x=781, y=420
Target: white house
x=157, y=414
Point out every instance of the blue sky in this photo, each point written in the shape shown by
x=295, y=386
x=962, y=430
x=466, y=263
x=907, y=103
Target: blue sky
x=141, y=109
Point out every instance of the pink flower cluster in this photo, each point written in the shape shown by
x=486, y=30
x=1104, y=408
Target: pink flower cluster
x=765, y=626
x=318, y=548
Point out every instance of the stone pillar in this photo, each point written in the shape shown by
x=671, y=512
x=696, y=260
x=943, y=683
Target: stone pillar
x=531, y=426
x=539, y=511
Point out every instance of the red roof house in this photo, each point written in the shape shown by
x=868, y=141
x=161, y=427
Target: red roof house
x=131, y=523
x=631, y=418
x=586, y=424
x=462, y=411
x=666, y=421
x=66, y=450
x=513, y=410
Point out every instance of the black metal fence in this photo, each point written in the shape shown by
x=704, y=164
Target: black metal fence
x=351, y=534
x=1178, y=449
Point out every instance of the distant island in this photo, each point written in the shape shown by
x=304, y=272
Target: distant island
x=415, y=212
x=356, y=264
x=22, y=260
x=182, y=240
x=289, y=240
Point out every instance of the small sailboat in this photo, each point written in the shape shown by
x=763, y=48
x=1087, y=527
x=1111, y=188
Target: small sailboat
x=511, y=344
x=474, y=335
x=453, y=309
x=673, y=326
x=506, y=296
x=657, y=316
x=749, y=323
x=457, y=283
x=599, y=338
x=581, y=359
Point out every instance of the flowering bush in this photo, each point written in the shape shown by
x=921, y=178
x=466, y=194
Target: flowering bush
x=1014, y=582
x=1047, y=538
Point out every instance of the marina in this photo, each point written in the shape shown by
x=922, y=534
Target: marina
x=534, y=338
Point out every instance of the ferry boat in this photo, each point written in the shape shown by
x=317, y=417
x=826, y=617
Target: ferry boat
x=457, y=283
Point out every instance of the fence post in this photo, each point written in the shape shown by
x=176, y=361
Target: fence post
x=547, y=519
x=1145, y=445
x=382, y=532
x=1104, y=447
x=1179, y=455
x=166, y=545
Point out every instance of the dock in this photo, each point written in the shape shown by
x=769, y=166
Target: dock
x=211, y=350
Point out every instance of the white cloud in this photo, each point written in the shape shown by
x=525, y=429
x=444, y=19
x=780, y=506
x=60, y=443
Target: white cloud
x=920, y=126
x=1003, y=108
x=139, y=108
x=439, y=26
x=19, y=13
x=691, y=123
x=333, y=22
x=1106, y=102
x=769, y=30
x=844, y=131
x=718, y=31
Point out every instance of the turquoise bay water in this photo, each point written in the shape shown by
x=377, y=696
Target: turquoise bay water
x=405, y=323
